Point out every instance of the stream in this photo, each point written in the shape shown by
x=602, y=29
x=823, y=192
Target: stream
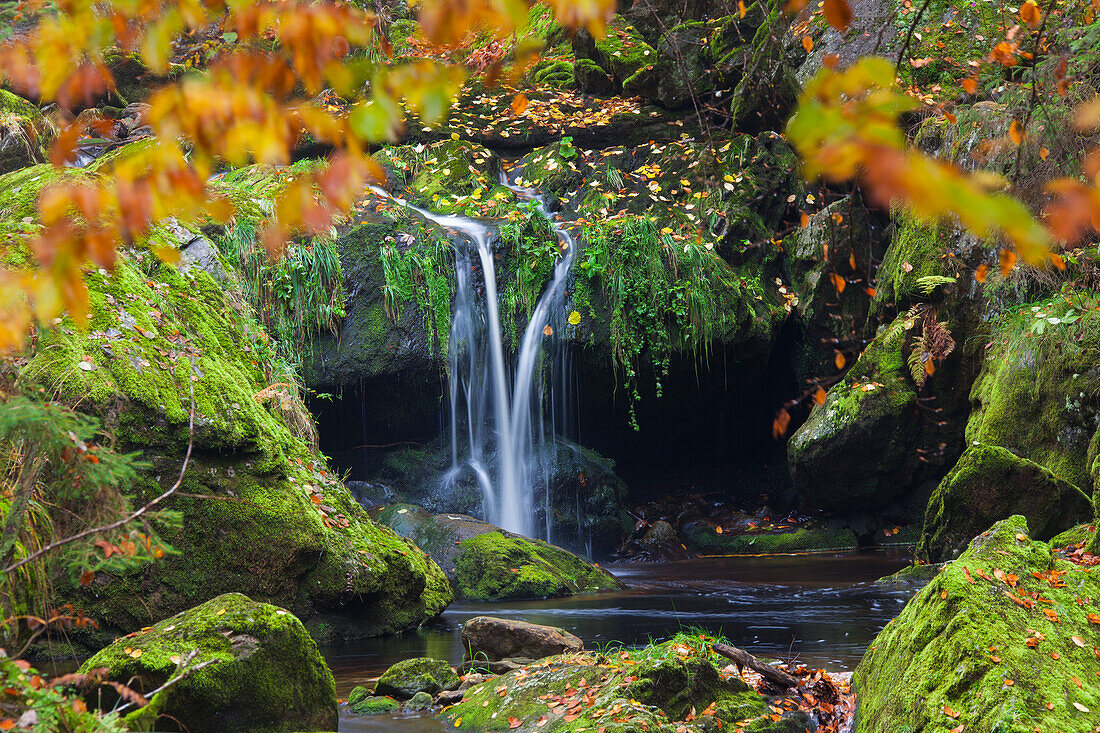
x=822, y=610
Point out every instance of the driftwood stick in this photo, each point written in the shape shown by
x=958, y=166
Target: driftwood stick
x=742, y=658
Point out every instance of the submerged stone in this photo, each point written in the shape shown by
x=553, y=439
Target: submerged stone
x=423, y=674
x=261, y=671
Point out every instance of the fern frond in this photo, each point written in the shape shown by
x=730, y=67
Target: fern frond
x=925, y=285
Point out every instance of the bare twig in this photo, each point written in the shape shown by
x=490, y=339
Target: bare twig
x=742, y=658
x=127, y=519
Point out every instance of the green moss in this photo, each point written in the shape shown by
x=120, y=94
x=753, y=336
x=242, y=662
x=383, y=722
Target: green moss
x=654, y=689
x=960, y=643
x=494, y=566
x=988, y=484
x=410, y=676
x=918, y=250
x=950, y=34
x=1075, y=535
x=154, y=336
x=264, y=673
x=1036, y=393
x=869, y=419
x=802, y=539
x=374, y=706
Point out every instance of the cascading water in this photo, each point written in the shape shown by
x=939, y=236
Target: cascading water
x=509, y=448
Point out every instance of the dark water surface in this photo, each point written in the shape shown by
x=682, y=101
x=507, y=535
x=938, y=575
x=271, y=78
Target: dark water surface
x=820, y=609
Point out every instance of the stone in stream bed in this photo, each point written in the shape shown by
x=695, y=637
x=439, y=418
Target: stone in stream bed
x=263, y=672
x=496, y=638
x=374, y=705
x=988, y=646
x=423, y=674
x=419, y=701
x=486, y=563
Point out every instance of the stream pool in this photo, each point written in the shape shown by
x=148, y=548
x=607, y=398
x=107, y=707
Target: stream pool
x=822, y=610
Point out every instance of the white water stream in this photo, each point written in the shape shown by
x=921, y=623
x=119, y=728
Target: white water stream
x=507, y=448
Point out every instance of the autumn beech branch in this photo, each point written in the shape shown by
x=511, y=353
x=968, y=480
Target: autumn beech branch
x=129, y=518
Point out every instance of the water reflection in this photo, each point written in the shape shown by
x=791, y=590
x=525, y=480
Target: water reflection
x=818, y=609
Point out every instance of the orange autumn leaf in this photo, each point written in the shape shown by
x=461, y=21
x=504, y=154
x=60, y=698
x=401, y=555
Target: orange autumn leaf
x=819, y=396
x=839, y=360
x=949, y=712
x=519, y=103
x=981, y=273
x=807, y=43
x=1030, y=14
x=1016, y=132
x=1007, y=259
x=970, y=84
x=839, y=283
x=838, y=14
x=780, y=423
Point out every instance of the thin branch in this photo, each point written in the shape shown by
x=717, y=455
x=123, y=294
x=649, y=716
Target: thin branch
x=1033, y=98
x=186, y=671
x=125, y=520
x=909, y=36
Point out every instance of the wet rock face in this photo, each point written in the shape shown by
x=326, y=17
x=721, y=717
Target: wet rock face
x=991, y=483
x=996, y=638
x=262, y=671
x=24, y=133
x=497, y=638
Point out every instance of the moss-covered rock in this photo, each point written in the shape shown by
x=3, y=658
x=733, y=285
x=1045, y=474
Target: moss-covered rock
x=702, y=537
x=24, y=133
x=498, y=566
x=262, y=671
x=1036, y=393
x=654, y=689
x=374, y=705
x=988, y=645
x=411, y=676
x=988, y=484
x=857, y=449
x=833, y=239
x=261, y=512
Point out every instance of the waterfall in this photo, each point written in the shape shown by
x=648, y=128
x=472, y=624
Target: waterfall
x=508, y=444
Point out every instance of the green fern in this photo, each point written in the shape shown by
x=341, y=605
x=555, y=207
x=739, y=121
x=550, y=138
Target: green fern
x=925, y=285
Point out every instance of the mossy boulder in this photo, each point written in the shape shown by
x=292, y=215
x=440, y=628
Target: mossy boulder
x=1036, y=394
x=374, y=705
x=261, y=512
x=656, y=689
x=262, y=671
x=990, y=483
x=24, y=133
x=484, y=562
x=411, y=676
x=996, y=642
x=498, y=566
x=857, y=449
